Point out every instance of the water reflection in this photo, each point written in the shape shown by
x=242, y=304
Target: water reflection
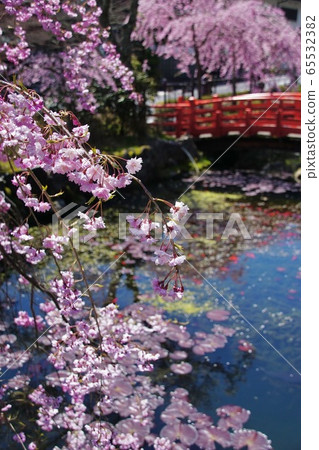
x=260, y=277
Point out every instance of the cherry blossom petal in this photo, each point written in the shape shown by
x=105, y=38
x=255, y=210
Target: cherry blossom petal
x=254, y=440
x=182, y=368
x=218, y=314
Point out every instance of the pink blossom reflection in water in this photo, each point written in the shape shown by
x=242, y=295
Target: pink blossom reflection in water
x=218, y=315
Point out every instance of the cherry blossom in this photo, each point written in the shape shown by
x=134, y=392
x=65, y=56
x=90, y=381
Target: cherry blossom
x=66, y=75
x=96, y=390
x=187, y=434
x=134, y=165
x=218, y=315
x=260, y=41
x=25, y=320
x=254, y=440
x=181, y=368
x=20, y=437
x=232, y=417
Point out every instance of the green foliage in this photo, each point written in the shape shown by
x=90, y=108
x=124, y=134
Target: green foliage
x=5, y=167
x=204, y=200
x=186, y=307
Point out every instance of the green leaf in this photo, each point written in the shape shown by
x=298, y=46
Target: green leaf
x=57, y=194
x=91, y=200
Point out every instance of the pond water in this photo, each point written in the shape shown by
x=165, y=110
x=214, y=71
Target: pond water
x=257, y=280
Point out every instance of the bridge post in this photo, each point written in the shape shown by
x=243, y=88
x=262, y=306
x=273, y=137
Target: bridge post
x=247, y=122
x=179, y=118
x=279, y=129
x=192, y=117
x=219, y=124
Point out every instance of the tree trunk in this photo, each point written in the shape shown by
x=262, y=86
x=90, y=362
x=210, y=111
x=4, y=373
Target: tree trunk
x=123, y=40
x=233, y=83
x=198, y=66
x=250, y=83
x=192, y=84
x=233, y=80
x=105, y=16
x=126, y=43
x=199, y=82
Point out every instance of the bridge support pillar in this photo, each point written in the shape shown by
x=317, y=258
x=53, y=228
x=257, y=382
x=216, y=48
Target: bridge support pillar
x=248, y=131
x=279, y=131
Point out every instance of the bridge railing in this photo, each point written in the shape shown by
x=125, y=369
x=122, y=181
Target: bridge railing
x=278, y=114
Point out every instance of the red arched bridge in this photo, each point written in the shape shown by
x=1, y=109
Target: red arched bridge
x=275, y=114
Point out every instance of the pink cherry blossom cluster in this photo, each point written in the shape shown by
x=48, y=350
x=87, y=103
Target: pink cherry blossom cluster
x=11, y=357
x=96, y=391
x=260, y=40
x=83, y=47
x=24, y=320
x=13, y=242
x=69, y=298
x=185, y=426
x=4, y=206
x=51, y=146
x=171, y=287
x=108, y=361
x=24, y=193
x=55, y=243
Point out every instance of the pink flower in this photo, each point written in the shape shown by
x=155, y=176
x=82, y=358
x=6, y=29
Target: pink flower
x=162, y=257
x=34, y=256
x=178, y=354
x=254, y=440
x=219, y=329
x=42, y=207
x=123, y=180
x=4, y=206
x=19, y=437
x=24, y=320
x=6, y=408
x=161, y=288
x=82, y=132
x=179, y=211
x=93, y=223
x=172, y=229
x=120, y=387
x=178, y=409
x=162, y=444
x=55, y=243
x=232, y=416
x=166, y=258
x=101, y=192
x=209, y=435
x=134, y=165
x=182, y=368
x=95, y=173
x=142, y=228
x=177, y=260
x=218, y=314
x=186, y=434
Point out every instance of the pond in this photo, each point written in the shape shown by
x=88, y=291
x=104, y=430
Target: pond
x=257, y=280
